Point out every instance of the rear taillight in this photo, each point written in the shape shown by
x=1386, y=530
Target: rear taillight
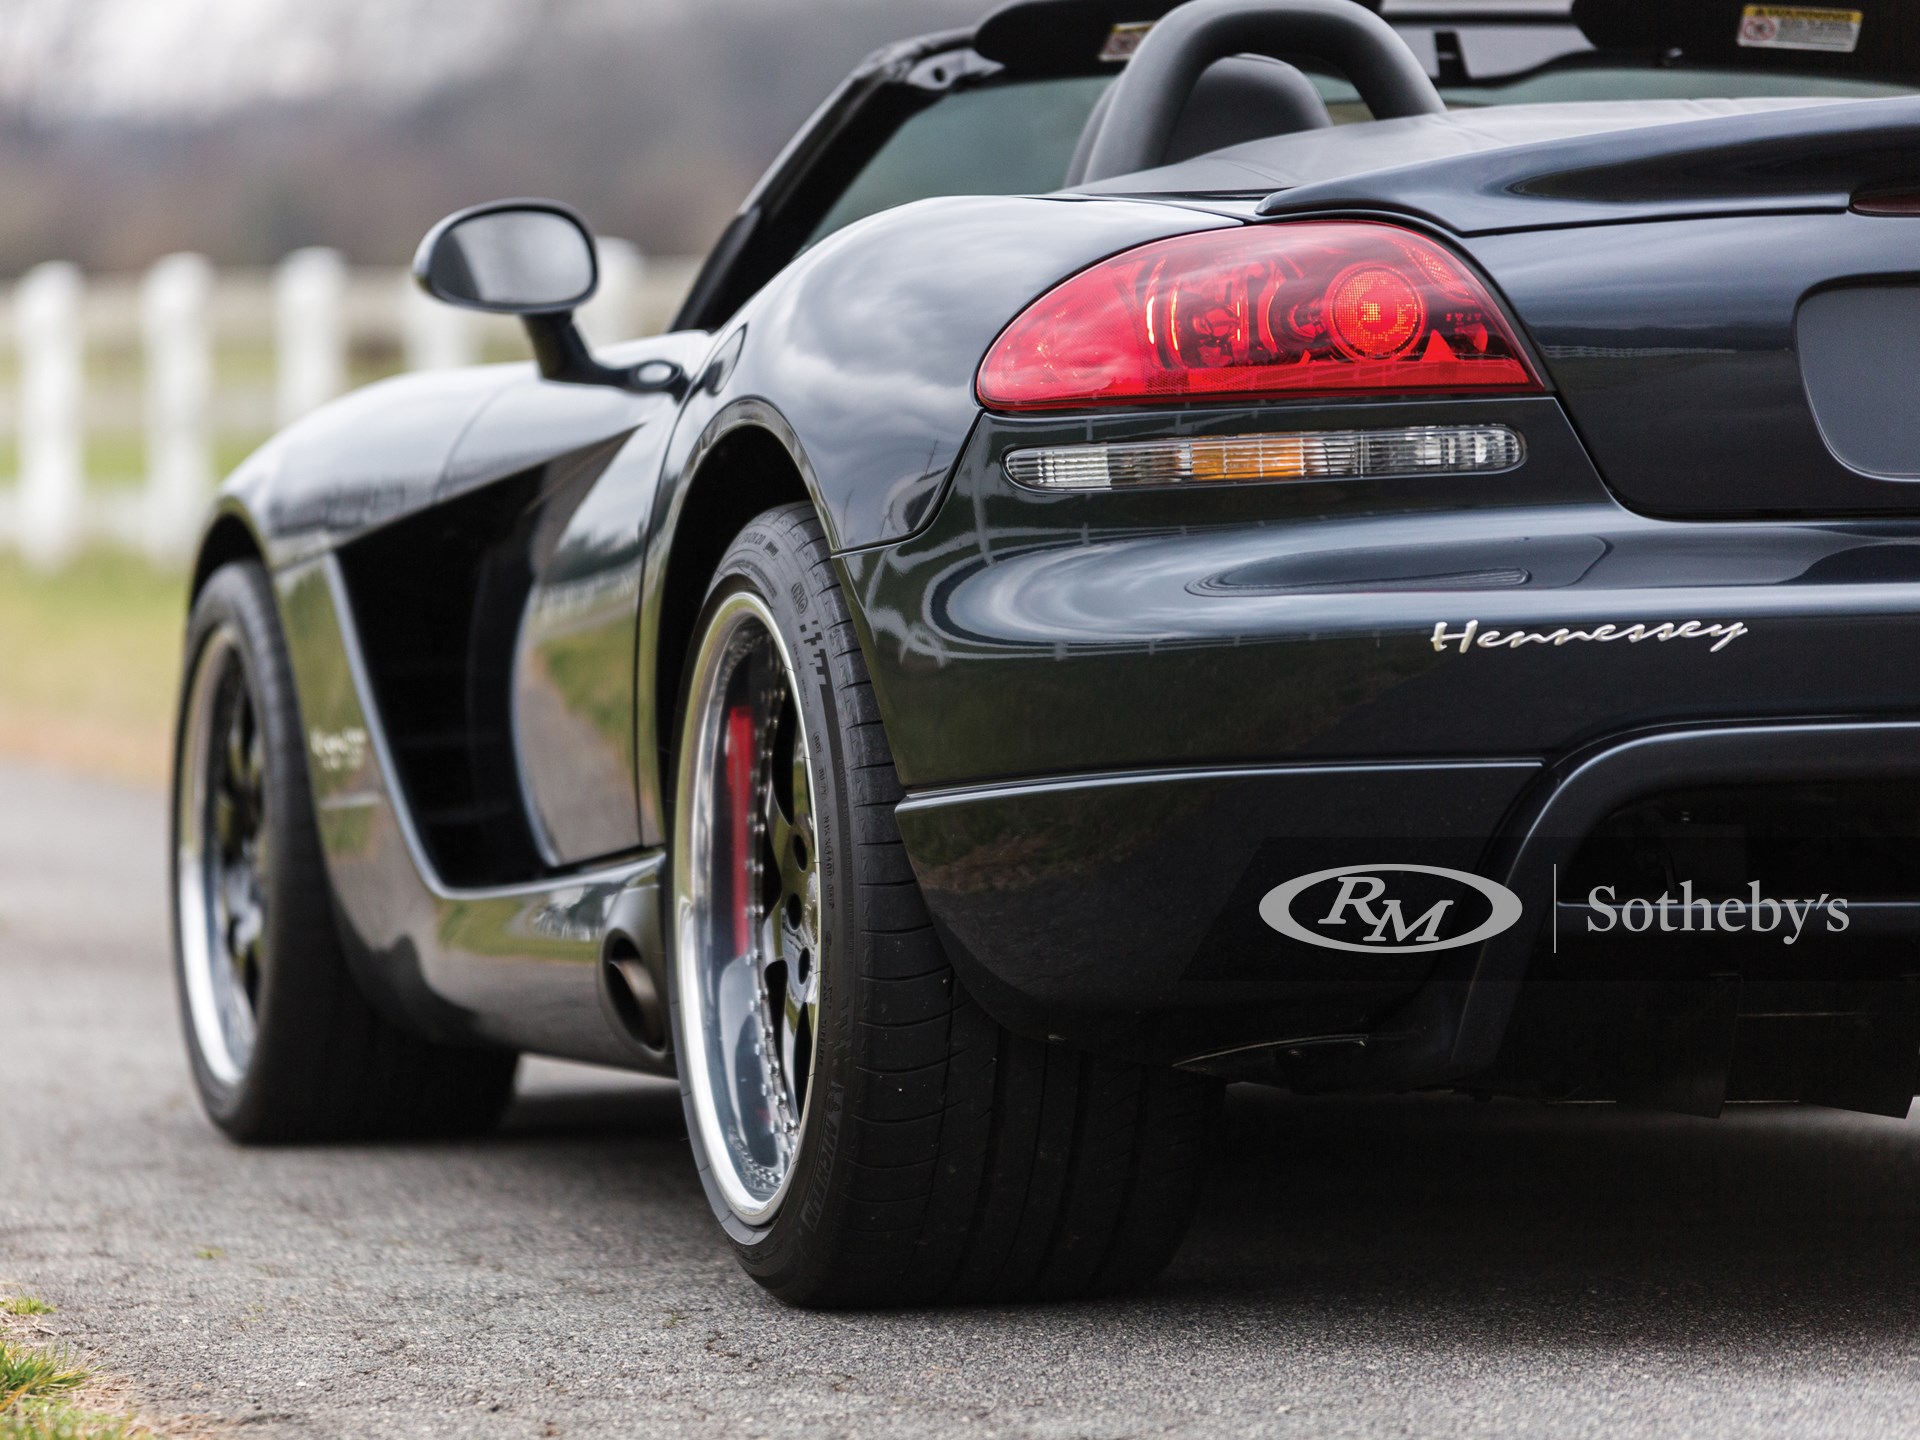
x=1315, y=307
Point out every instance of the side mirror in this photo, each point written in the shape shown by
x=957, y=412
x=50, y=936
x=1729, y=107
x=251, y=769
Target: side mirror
x=534, y=259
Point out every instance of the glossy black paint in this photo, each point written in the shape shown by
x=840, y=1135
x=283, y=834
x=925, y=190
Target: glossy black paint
x=573, y=666
x=549, y=240
x=1831, y=1020
x=365, y=460
x=1673, y=347
x=1586, y=784
x=1811, y=157
x=1025, y=634
x=1120, y=911
x=1122, y=716
x=867, y=345
x=1081, y=638
x=554, y=269
x=518, y=965
x=389, y=450
x=859, y=363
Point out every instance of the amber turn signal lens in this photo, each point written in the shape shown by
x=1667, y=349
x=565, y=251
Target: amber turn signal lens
x=1311, y=455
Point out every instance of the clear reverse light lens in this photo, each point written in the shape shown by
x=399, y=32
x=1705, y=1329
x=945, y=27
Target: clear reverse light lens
x=1314, y=455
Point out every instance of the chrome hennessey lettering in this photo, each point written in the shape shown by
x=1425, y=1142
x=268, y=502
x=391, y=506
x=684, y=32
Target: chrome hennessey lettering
x=1472, y=637
x=338, y=752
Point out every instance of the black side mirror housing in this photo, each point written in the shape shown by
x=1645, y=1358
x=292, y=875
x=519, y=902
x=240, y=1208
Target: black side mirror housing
x=535, y=259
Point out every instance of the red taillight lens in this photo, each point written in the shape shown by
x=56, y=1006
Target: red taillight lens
x=1312, y=307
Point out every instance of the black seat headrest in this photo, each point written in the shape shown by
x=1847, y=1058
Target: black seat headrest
x=1244, y=97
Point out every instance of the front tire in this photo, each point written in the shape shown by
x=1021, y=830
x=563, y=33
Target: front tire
x=283, y=1045
x=864, y=1132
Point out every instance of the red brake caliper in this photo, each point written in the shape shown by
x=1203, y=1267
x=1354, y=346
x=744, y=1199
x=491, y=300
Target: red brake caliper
x=740, y=759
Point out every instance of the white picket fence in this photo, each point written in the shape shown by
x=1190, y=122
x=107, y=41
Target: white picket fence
x=129, y=393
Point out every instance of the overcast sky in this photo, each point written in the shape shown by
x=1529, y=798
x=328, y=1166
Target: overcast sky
x=144, y=56
x=174, y=57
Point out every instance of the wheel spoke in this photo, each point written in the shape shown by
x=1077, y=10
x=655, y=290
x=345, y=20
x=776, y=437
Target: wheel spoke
x=787, y=933
x=802, y=816
x=256, y=772
x=754, y=899
x=779, y=829
x=225, y=823
x=796, y=1047
x=236, y=756
x=242, y=767
x=801, y=996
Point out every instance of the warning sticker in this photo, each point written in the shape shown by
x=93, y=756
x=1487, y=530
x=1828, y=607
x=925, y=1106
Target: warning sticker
x=1124, y=40
x=1800, y=27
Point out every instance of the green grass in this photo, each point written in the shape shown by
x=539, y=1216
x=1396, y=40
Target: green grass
x=92, y=661
x=116, y=460
x=30, y=1373
x=54, y=1421
x=36, y=1398
x=24, y=1305
x=44, y=1420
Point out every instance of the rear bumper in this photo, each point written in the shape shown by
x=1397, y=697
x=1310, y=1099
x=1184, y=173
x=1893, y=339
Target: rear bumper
x=1124, y=718
x=1122, y=913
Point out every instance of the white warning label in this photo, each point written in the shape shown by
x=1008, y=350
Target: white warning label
x=1800, y=27
x=1123, y=40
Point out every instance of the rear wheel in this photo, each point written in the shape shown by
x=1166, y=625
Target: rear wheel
x=283, y=1044
x=865, y=1133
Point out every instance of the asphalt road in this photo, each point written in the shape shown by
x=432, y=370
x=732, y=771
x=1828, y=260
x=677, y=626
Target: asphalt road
x=1425, y=1267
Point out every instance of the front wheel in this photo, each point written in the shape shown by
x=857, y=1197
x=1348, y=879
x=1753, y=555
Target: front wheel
x=282, y=1043
x=865, y=1133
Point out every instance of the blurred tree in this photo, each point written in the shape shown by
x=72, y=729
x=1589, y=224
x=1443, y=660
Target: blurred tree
x=244, y=128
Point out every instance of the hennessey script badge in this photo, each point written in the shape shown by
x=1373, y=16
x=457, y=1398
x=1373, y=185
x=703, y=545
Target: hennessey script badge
x=1471, y=637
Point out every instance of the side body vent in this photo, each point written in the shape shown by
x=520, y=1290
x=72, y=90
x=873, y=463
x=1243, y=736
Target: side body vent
x=437, y=598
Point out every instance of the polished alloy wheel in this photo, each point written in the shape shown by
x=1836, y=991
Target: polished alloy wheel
x=222, y=830
x=747, y=907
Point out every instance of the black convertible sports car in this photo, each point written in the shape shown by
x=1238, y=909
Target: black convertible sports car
x=1163, y=548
